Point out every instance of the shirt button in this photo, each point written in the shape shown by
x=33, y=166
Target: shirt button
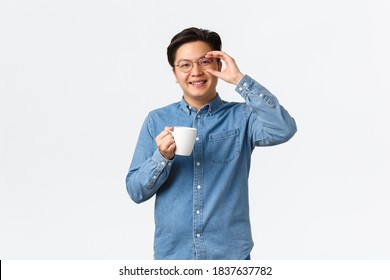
x=245, y=84
x=154, y=177
x=162, y=163
x=198, y=187
x=261, y=95
x=197, y=138
x=198, y=116
x=240, y=88
x=198, y=235
x=198, y=163
x=197, y=212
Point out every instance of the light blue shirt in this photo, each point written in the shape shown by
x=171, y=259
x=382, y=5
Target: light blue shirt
x=201, y=205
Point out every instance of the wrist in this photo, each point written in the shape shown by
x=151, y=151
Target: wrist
x=238, y=79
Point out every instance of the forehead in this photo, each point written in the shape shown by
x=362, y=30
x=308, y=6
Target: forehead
x=192, y=50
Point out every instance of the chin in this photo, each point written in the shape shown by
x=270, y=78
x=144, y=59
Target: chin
x=199, y=93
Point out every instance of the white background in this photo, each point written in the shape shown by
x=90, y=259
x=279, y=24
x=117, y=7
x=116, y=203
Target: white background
x=77, y=79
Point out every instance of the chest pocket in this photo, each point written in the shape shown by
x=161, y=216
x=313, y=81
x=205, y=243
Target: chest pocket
x=225, y=145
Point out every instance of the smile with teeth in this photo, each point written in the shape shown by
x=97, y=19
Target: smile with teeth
x=197, y=83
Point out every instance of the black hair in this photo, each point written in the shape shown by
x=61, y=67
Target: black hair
x=193, y=34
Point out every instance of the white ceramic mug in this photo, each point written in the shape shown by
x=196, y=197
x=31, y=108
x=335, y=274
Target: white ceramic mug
x=184, y=139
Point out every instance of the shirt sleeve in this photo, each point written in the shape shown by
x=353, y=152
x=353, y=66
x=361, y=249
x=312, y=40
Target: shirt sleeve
x=270, y=124
x=148, y=169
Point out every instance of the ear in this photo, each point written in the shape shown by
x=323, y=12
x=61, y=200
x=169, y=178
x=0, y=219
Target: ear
x=174, y=74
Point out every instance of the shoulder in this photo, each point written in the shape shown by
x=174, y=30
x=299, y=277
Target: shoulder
x=171, y=108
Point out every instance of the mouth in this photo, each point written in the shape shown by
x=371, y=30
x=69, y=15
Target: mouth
x=198, y=83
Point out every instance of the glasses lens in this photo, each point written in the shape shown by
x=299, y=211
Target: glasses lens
x=185, y=65
x=205, y=62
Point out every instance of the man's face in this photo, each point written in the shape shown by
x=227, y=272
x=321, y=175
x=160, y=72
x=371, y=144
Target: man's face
x=199, y=87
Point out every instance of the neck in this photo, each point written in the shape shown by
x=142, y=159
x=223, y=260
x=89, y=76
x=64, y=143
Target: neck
x=198, y=103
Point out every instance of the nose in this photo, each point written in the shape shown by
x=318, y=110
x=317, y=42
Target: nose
x=196, y=70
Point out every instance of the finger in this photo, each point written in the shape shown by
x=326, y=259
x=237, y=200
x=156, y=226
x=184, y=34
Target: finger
x=218, y=54
x=172, y=147
x=164, y=133
x=214, y=73
x=167, y=131
x=166, y=142
x=170, y=152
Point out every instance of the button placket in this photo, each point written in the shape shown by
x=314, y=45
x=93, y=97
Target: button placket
x=198, y=193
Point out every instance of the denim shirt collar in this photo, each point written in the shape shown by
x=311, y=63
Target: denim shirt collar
x=211, y=107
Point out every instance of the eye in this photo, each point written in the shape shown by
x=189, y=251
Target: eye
x=184, y=64
x=205, y=61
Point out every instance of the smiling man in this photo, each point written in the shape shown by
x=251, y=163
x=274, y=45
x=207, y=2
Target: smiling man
x=201, y=205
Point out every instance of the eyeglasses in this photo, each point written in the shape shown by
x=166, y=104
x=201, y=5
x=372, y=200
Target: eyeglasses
x=186, y=65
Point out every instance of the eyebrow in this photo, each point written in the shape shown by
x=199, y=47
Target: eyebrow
x=185, y=59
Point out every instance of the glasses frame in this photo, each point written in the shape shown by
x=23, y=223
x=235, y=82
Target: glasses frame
x=192, y=64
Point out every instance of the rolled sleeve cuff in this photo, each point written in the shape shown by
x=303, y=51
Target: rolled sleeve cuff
x=249, y=87
x=244, y=85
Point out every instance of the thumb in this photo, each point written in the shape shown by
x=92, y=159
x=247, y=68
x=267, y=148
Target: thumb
x=214, y=73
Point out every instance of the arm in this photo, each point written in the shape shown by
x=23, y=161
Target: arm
x=149, y=169
x=269, y=122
